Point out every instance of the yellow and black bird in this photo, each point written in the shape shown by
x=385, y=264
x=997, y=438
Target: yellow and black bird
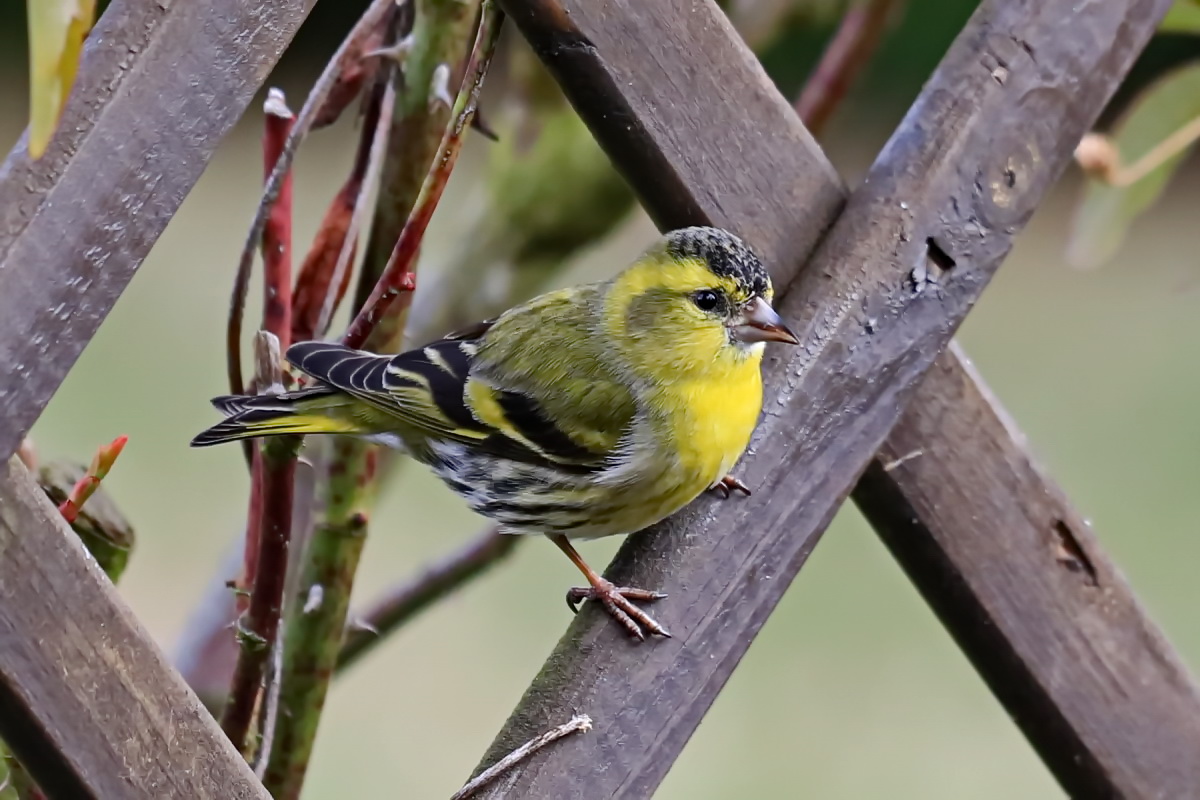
x=585, y=412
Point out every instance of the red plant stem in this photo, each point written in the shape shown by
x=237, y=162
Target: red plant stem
x=275, y=467
x=277, y=234
x=344, y=59
x=849, y=51
x=277, y=309
x=86, y=486
x=360, y=70
x=394, y=290
x=253, y=539
x=319, y=287
x=259, y=626
x=269, y=521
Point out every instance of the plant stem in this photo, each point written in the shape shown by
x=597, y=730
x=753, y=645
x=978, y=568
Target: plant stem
x=277, y=233
x=258, y=627
x=395, y=286
x=347, y=55
x=436, y=581
x=1161, y=153
x=440, y=32
x=856, y=40
x=326, y=275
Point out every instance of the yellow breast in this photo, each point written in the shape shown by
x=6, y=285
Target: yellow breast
x=712, y=422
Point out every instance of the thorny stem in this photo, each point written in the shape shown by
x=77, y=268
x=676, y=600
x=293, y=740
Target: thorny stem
x=258, y=627
x=277, y=312
x=395, y=286
x=851, y=48
x=432, y=584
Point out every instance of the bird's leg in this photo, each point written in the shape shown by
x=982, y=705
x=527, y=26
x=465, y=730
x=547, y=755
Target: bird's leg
x=615, y=599
x=729, y=484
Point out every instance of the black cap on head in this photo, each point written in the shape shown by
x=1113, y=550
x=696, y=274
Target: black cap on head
x=725, y=254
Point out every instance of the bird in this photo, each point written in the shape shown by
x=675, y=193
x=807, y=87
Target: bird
x=584, y=412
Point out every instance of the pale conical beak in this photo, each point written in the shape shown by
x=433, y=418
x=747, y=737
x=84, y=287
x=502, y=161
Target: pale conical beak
x=760, y=323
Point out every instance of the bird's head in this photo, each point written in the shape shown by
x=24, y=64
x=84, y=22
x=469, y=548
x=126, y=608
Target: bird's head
x=697, y=300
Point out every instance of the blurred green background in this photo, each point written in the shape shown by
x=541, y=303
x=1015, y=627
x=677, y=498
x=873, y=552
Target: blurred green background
x=853, y=690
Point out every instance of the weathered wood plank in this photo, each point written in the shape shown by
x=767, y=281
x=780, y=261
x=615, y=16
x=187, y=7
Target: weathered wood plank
x=86, y=699
x=160, y=85
x=989, y=134
x=87, y=702
x=1018, y=578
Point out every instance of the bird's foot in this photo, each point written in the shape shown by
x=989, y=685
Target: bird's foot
x=728, y=485
x=617, y=602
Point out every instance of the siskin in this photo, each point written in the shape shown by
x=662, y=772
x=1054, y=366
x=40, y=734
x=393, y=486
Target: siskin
x=584, y=412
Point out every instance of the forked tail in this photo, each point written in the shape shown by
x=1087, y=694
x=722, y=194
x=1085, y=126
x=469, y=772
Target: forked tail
x=249, y=416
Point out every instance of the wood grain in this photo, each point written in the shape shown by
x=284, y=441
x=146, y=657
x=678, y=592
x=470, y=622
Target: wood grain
x=160, y=85
x=990, y=133
x=87, y=702
x=1017, y=576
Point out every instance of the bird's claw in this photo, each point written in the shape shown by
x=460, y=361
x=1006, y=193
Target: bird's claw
x=729, y=484
x=617, y=602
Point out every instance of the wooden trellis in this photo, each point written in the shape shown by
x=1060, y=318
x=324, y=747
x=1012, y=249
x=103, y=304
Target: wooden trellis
x=704, y=137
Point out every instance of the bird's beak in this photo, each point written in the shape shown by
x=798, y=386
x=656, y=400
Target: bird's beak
x=760, y=323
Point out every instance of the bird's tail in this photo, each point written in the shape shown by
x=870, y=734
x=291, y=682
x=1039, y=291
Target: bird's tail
x=311, y=410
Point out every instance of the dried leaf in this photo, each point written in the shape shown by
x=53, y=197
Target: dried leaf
x=56, y=32
x=1183, y=17
x=1105, y=212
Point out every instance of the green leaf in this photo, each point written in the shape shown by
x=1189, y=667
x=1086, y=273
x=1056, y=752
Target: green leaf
x=1184, y=17
x=1105, y=213
x=56, y=31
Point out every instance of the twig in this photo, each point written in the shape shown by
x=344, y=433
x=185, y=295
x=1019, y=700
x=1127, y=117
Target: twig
x=394, y=289
x=359, y=72
x=342, y=60
x=580, y=722
x=325, y=274
x=277, y=234
x=270, y=712
x=277, y=312
x=1099, y=157
x=102, y=462
x=849, y=51
x=258, y=627
x=380, y=127
x=437, y=580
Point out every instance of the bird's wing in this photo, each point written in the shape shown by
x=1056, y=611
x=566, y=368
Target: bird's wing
x=422, y=387
x=542, y=376
x=528, y=386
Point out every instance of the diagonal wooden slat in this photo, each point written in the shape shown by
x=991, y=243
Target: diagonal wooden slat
x=1018, y=578
x=990, y=133
x=160, y=84
x=87, y=702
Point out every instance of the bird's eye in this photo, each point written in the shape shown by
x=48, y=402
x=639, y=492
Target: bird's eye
x=706, y=299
